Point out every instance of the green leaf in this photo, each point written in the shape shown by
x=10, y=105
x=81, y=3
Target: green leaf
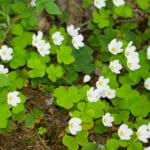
x=102, y=18
x=38, y=67
x=82, y=138
x=64, y=55
x=135, y=146
x=49, y=6
x=66, y=97
x=19, y=58
x=52, y=8
x=4, y=81
x=18, y=7
x=123, y=11
x=112, y=144
x=84, y=60
x=37, y=113
x=54, y=72
x=17, y=29
x=29, y=121
x=70, y=142
x=19, y=108
x=144, y=4
x=137, y=109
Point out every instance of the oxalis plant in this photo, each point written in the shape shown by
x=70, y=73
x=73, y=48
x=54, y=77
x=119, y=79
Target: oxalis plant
x=103, y=80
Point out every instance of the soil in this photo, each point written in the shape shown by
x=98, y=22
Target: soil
x=54, y=120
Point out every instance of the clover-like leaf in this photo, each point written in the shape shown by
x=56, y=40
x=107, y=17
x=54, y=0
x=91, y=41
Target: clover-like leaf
x=64, y=55
x=38, y=67
x=66, y=97
x=70, y=142
x=19, y=57
x=123, y=11
x=84, y=60
x=54, y=72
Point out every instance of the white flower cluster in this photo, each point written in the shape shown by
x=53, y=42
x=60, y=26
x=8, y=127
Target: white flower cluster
x=148, y=52
x=40, y=44
x=102, y=90
x=75, y=125
x=77, y=39
x=143, y=133
x=6, y=53
x=124, y=132
x=107, y=120
x=132, y=57
x=115, y=47
x=102, y=3
x=147, y=148
x=86, y=78
x=13, y=98
x=147, y=83
x=115, y=66
x=3, y=70
x=33, y=3
x=57, y=38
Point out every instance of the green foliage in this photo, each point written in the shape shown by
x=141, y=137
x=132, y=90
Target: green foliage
x=64, y=55
x=49, y=6
x=143, y=4
x=112, y=144
x=61, y=72
x=54, y=72
x=41, y=130
x=102, y=18
x=84, y=60
x=66, y=97
x=37, y=65
x=123, y=11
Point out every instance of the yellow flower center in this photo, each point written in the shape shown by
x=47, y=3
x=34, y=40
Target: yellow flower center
x=4, y=53
x=71, y=125
x=114, y=49
x=10, y=98
x=121, y=133
x=100, y=83
x=105, y=120
x=139, y=134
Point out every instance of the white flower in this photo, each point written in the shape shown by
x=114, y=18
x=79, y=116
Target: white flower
x=102, y=84
x=36, y=39
x=110, y=93
x=99, y=3
x=115, y=66
x=33, y=3
x=124, y=132
x=86, y=78
x=143, y=134
x=43, y=48
x=13, y=99
x=75, y=125
x=114, y=47
x=133, y=61
x=72, y=31
x=3, y=70
x=77, y=41
x=93, y=95
x=147, y=83
x=57, y=38
x=147, y=148
x=118, y=2
x=107, y=120
x=148, y=53
x=5, y=53
x=129, y=49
